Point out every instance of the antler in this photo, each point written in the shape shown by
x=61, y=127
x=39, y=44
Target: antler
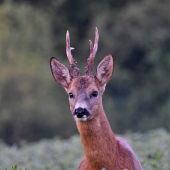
x=76, y=71
x=93, y=50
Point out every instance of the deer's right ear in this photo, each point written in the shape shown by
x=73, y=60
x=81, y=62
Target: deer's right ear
x=60, y=73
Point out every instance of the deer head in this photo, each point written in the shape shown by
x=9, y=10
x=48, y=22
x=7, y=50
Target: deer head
x=85, y=92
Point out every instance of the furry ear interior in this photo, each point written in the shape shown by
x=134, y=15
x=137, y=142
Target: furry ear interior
x=105, y=69
x=60, y=73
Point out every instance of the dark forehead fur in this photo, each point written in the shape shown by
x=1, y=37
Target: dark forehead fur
x=84, y=82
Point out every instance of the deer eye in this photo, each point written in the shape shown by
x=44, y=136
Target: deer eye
x=71, y=95
x=94, y=94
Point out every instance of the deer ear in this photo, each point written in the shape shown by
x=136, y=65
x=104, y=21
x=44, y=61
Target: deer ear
x=60, y=73
x=105, y=69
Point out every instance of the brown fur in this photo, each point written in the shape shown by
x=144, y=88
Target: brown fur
x=102, y=149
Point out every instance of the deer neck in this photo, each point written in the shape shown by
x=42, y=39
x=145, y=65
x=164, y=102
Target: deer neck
x=98, y=141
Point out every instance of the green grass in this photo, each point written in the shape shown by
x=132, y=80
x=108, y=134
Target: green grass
x=15, y=168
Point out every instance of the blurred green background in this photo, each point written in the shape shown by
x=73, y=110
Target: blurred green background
x=34, y=106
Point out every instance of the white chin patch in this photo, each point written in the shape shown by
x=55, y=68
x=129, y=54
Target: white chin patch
x=83, y=119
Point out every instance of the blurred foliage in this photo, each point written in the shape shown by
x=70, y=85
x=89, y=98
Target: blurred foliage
x=14, y=168
x=151, y=148
x=33, y=106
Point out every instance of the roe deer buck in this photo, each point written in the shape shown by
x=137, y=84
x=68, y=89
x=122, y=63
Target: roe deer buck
x=102, y=149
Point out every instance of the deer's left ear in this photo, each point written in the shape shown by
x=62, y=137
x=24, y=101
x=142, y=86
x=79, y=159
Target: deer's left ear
x=105, y=69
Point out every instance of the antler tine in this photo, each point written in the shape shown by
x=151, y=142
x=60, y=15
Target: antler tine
x=76, y=71
x=93, y=50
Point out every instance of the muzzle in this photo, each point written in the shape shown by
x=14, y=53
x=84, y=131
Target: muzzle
x=81, y=113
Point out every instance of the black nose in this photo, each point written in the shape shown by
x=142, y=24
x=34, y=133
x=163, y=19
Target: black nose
x=80, y=112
